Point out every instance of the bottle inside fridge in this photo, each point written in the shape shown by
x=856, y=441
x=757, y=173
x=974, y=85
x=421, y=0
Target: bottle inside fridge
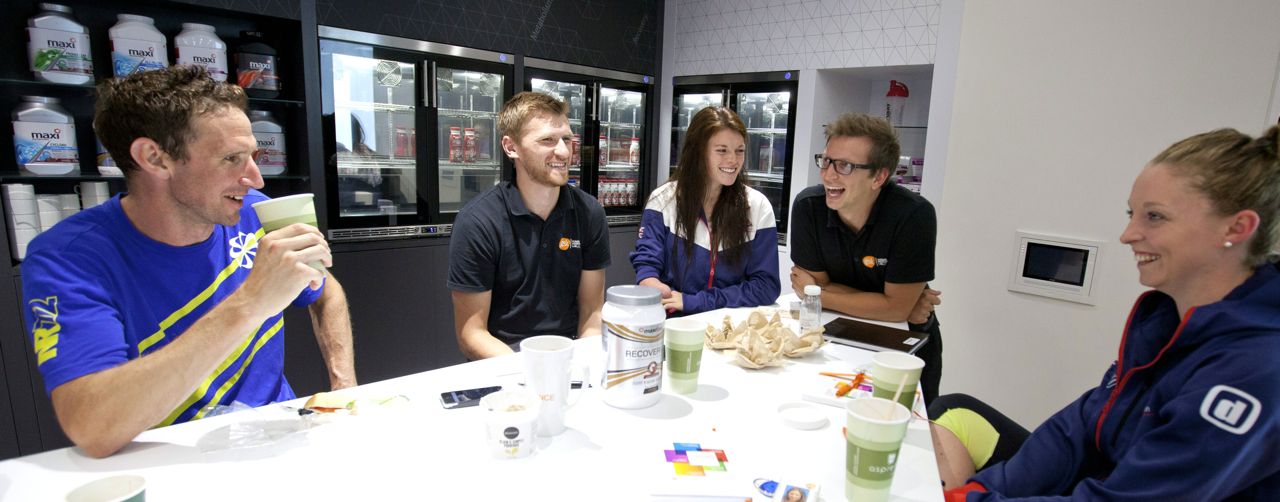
x=467, y=115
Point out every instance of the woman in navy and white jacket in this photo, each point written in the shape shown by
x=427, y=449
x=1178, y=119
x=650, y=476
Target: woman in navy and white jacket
x=1191, y=408
x=731, y=260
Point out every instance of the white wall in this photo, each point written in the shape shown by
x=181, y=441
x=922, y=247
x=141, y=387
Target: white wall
x=739, y=36
x=1057, y=106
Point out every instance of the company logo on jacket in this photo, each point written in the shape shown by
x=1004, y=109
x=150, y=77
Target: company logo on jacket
x=1230, y=409
x=566, y=243
x=873, y=262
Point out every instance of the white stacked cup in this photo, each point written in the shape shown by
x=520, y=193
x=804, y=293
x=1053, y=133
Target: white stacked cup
x=93, y=193
x=24, y=217
x=50, y=212
x=69, y=204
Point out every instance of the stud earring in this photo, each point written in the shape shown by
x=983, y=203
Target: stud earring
x=1227, y=244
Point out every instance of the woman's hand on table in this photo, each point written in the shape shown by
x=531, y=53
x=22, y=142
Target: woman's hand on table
x=674, y=302
x=654, y=283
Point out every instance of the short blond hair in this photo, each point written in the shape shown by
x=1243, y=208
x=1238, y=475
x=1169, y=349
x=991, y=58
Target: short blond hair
x=523, y=107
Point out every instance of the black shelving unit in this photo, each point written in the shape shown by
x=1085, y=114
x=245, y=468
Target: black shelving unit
x=290, y=26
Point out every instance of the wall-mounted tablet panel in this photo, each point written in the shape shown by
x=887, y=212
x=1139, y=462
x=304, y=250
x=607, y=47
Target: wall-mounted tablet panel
x=1056, y=267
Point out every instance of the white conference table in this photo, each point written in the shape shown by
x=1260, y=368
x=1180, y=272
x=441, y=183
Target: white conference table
x=420, y=451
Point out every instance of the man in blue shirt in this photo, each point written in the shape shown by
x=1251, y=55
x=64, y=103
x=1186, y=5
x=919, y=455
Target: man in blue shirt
x=163, y=302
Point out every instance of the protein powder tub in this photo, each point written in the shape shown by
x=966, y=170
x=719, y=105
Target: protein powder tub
x=136, y=46
x=44, y=137
x=255, y=64
x=632, y=336
x=270, y=158
x=58, y=46
x=199, y=45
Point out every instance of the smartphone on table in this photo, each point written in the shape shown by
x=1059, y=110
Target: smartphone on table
x=466, y=398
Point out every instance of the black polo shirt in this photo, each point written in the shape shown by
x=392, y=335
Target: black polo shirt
x=531, y=266
x=895, y=245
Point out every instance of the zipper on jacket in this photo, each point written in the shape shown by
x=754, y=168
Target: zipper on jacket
x=1128, y=412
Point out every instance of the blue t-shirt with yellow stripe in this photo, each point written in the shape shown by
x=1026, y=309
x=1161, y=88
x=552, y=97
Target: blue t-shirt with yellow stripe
x=99, y=293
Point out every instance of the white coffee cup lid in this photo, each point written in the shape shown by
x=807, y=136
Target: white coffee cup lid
x=803, y=416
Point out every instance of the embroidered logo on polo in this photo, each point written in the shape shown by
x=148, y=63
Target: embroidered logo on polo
x=243, y=247
x=873, y=262
x=1230, y=409
x=567, y=243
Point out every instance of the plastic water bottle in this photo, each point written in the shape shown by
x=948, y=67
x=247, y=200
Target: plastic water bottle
x=811, y=308
x=895, y=102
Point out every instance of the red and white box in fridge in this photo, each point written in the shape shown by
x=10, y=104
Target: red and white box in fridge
x=455, y=144
x=468, y=145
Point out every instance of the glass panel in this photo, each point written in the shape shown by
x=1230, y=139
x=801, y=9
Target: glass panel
x=620, y=147
x=374, y=119
x=575, y=96
x=686, y=107
x=469, y=151
x=766, y=115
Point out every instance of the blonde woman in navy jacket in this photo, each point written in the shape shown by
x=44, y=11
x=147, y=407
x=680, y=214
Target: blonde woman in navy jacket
x=731, y=260
x=1191, y=408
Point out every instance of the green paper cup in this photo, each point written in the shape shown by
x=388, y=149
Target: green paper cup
x=873, y=436
x=684, y=338
x=125, y=488
x=281, y=212
x=887, y=370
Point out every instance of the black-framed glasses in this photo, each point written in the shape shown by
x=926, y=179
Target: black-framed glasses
x=842, y=167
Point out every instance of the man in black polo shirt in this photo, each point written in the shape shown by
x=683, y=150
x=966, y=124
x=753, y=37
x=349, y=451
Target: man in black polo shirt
x=528, y=257
x=867, y=241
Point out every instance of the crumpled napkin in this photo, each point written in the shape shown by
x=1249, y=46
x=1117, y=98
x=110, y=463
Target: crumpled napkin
x=761, y=342
x=796, y=346
x=723, y=337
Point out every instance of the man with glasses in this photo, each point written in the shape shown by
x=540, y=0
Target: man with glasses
x=866, y=241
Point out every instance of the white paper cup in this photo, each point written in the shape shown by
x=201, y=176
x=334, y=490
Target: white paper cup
x=46, y=202
x=89, y=201
x=124, y=488
x=873, y=437
x=284, y=211
x=95, y=188
x=19, y=187
x=511, y=422
x=49, y=218
x=281, y=212
x=29, y=220
x=685, y=338
x=888, y=370
x=68, y=201
x=19, y=239
x=20, y=204
x=546, y=373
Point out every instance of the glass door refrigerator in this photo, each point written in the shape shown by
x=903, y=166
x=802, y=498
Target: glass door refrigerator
x=410, y=132
x=609, y=115
x=766, y=103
